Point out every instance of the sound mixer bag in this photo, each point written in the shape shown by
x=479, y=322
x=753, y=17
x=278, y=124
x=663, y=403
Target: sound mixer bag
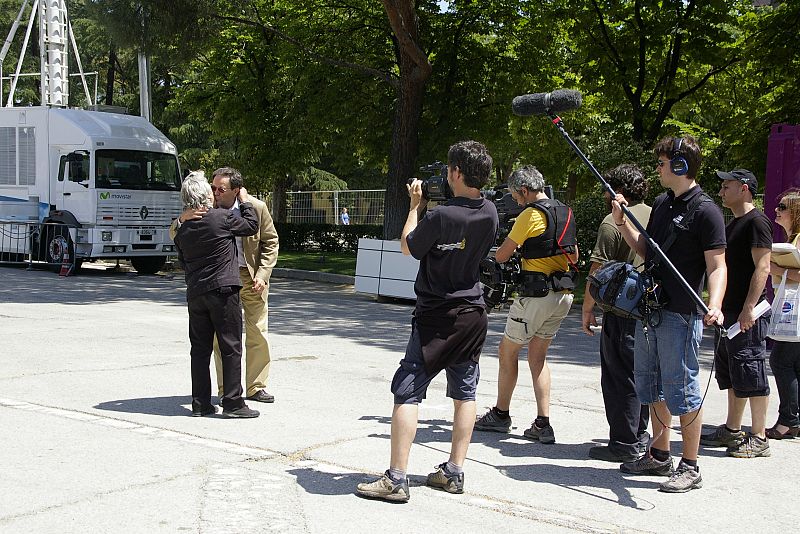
x=618, y=287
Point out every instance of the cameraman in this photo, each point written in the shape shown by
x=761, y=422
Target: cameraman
x=449, y=324
x=545, y=233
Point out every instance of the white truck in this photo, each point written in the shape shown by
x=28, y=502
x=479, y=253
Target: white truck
x=86, y=183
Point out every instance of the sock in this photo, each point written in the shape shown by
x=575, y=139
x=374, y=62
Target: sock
x=732, y=431
x=541, y=421
x=658, y=454
x=452, y=469
x=501, y=413
x=690, y=463
x=396, y=475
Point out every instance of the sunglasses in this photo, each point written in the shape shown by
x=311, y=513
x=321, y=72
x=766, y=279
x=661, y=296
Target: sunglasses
x=782, y=207
x=660, y=163
x=220, y=190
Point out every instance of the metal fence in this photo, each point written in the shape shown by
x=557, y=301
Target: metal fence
x=28, y=242
x=364, y=206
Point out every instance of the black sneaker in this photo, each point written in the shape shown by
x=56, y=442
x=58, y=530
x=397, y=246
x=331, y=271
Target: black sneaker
x=544, y=434
x=722, y=437
x=262, y=396
x=493, y=422
x=451, y=483
x=208, y=410
x=241, y=413
x=606, y=454
x=647, y=465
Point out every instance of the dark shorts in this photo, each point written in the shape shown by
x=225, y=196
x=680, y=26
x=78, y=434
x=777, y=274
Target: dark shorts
x=410, y=382
x=741, y=362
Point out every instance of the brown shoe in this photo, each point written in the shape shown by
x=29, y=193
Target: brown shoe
x=261, y=396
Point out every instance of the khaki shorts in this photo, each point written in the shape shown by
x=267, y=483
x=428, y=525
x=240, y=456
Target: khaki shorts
x=537, y=316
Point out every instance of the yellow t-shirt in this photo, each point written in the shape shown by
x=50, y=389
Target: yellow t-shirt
x=532, y=223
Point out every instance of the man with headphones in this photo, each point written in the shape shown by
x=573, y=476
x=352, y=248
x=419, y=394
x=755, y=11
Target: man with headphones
x=666, y=368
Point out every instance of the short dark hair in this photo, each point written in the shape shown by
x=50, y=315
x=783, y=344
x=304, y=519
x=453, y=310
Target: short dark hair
x=233, y=175
x=473, y=160
x=690, y=151
x=629, y=180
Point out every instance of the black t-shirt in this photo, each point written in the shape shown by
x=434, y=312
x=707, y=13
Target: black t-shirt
x=751, y=230
x=450, y=241
x=707, y=232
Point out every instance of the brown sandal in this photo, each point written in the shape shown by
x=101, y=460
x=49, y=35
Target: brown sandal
x=791, y=433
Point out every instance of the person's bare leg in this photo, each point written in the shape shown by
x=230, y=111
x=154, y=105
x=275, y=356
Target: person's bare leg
x=758, y=415
x=540, y=373
x=463, y=422
x=508, y=355
x=735, y=411
x=404, y=429
x=691, y=426
x=661, y=419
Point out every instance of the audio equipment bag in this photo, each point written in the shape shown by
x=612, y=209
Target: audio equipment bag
x=619, y=288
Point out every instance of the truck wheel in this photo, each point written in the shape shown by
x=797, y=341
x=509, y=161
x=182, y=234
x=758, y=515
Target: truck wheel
x=54, y=245
x=148, y=264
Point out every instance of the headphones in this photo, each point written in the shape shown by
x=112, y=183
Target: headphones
x=677, y=163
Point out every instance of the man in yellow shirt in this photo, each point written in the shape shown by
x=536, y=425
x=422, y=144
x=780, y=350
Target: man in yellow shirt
x=545, y=234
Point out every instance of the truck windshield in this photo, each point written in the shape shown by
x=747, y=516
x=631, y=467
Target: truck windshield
x=136, y=169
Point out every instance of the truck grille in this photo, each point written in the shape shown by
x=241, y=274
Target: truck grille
x=141, y=215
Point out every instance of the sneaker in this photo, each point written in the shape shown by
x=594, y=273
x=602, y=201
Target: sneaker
x=606, y=454
x=647, y=465
x=684, y=478
x=542, y=435
x=491, y=421
x=384, y=488
x=241, y=413
x=751, y=447
x=201, y=412
x=722, y=437
x=451, y=483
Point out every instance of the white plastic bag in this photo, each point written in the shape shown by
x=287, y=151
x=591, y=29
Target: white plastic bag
x=784, y=325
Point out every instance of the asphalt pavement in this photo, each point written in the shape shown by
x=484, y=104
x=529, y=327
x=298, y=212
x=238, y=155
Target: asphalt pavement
x=96, y=433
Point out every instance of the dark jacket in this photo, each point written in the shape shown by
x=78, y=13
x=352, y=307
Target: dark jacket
x=207, y=248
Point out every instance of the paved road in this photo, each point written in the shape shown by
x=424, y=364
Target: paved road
x=96, y=434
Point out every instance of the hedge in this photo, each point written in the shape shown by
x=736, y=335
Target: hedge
x=589, y=212
x=325, y=237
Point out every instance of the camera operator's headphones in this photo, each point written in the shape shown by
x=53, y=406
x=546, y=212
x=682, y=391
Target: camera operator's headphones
x=677, y=163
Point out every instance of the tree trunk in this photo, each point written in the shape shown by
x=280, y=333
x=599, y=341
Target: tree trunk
x=279, y=199
x=415, y=70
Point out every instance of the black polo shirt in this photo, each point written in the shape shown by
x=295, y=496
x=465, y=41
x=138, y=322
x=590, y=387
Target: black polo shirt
x=450, y=241
x=707, y=232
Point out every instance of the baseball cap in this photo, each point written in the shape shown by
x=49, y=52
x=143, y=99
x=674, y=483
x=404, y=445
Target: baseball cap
x=741, y=175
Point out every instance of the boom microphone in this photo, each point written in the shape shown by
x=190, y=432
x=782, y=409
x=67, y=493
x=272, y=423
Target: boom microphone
x=546, y=103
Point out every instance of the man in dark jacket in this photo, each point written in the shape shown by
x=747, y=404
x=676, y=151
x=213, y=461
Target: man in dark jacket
x=207, y=252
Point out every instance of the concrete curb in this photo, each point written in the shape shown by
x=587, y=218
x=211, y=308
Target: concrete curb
x=314, y=276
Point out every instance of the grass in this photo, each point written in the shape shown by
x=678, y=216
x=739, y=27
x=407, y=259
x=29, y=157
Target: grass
x=327, y=262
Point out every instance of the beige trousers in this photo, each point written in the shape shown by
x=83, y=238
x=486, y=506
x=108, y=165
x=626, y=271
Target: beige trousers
x=256, y=345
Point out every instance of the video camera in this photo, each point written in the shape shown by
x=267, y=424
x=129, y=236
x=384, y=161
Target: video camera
x=499, y=279
x=435, y=187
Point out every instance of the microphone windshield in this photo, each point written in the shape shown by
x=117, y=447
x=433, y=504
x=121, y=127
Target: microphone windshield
x=546, y=103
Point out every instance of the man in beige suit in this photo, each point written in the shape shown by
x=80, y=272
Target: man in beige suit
x=257, y=256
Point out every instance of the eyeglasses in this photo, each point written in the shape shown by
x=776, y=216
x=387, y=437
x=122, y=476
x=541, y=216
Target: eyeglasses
x=660, y=163
x=220, y=190
x=782, y=207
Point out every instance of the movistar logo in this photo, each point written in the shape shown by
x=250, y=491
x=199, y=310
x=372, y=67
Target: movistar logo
x=104, y=196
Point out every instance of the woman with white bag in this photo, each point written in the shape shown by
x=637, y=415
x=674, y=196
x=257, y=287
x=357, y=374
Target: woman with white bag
x=785, y=357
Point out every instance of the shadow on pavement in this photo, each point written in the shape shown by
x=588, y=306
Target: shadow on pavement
x=166, y=406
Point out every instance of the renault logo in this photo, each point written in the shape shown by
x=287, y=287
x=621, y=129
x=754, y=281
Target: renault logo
x=144, y=212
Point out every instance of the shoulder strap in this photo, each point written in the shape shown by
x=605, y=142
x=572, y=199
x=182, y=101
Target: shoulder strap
x=682, y=222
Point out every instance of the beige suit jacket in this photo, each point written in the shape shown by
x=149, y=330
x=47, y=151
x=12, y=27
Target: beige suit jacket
x=261, y=249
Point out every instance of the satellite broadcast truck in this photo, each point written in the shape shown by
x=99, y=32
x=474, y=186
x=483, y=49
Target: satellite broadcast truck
x=79, y=185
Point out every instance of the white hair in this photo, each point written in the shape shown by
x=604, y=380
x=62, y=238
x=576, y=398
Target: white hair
x=196, y=191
